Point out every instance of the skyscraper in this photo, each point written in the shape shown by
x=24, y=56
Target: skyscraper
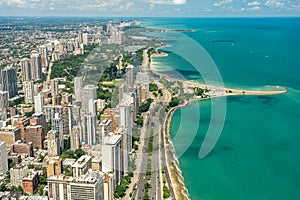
x=126, y=123
x=44, y=56
x=85, y=38
x=3, y=99
x=88, y=92
x=9, y=81
x=36, y=66
x=77, y=88
x=74, y=138
x=90, y=129
x=57, y=125
x=112, y=157
x=39, y=103
x=3, y=160
x=130, y=77
x=54, y=88
x=28, y=91
x=25, y=69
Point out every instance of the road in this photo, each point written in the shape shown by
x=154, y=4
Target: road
x=155, y=192
x=153, y=176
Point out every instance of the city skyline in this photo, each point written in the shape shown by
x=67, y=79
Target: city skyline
x=151, y=8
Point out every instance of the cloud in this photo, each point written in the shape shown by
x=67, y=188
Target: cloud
x=254, y=3
x=274, y=3
x=220, y=3
x=254, y=8
x=167, y=2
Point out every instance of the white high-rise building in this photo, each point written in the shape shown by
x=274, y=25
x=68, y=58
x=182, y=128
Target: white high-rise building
x=57, y=125
x=88, y=92
x=90, y=123
x=88, y=187
x=126, y=123
x=25, y=69
x=85, y=38
x=105, y=127
x=36, y=66
x=112, y=157
x=28, y=91
x=77, y=88
x=3, y=160
x=39, y=103
x=92, y=107
x=130, y=77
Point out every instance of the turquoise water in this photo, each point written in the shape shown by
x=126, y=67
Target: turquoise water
x=258, y=153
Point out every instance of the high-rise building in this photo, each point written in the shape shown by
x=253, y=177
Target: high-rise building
x=54, y=88
x=90, y=122
x=65, y=115
x=105, y=127
x=53, y=143
x=126, y=124
x=77, y=88
x=85, y=38
x=17, y=173
x=36, y=66
x=112, y=157
x=130, y=77
x=74, y=138
x=3, y=160
x=57, y=125
x=3, y=99
x=88, y=186
x=9, y=81
x=88, y=92
x=108, y=186
x=80, y=38
x=25, y=69
x=43, y=51
x=28, y=91
x=39, y=103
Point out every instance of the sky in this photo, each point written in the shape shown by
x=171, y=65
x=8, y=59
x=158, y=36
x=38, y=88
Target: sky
x=150, y=8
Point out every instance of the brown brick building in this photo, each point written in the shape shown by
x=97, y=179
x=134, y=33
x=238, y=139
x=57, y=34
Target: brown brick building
x=36, y=135
x=31, y=182
x=22, y=148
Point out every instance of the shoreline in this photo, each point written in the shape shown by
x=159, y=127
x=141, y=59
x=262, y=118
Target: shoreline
x=177, y=182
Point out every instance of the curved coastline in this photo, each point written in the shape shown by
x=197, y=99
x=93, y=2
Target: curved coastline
x=176, y=179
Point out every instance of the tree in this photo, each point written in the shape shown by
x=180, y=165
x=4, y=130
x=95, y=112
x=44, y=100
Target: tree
x=153, y=87
x=174, y=102
x=43, y=179
x=11, y=165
